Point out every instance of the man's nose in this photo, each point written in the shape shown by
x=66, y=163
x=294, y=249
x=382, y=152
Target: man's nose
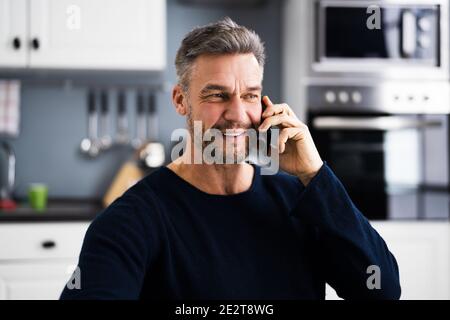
x=235, y=111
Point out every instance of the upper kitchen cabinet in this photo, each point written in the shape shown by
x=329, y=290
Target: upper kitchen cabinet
x=91, y=34
x=13, y=33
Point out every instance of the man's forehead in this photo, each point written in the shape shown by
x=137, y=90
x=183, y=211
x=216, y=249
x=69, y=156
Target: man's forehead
x=229, y=82
x=228, y=70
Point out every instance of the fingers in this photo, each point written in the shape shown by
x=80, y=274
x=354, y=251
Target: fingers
x=285, y=135
x=280, y=119
x=268, y=104
x=273, y=109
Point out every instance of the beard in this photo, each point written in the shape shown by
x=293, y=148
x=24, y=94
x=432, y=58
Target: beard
x=228, y=150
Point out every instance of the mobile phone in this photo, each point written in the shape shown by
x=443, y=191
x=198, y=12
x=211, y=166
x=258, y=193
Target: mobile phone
x=269, y=131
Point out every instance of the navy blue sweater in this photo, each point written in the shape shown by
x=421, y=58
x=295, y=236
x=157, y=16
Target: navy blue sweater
x=166, y=239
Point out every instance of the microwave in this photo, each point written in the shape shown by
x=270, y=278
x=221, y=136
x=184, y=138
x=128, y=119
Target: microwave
x=388, y=39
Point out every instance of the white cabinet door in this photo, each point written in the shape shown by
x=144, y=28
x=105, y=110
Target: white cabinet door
x=34, y=280
x=422, y=251
x=2, y=289
x=13, y=33
x=98, y=34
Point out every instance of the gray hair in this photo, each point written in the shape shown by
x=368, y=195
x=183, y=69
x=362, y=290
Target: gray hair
x=221, y=37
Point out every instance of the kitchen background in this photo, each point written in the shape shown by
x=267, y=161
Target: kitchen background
x=39, y=248
x=53, y=117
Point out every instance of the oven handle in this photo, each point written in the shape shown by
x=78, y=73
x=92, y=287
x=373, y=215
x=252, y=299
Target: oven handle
x=384, y=123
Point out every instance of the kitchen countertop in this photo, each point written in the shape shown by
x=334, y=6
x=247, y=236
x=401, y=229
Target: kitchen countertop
x=57, y=210
x=66, y=210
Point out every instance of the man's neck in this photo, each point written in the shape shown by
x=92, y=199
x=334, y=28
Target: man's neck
x=222, y=179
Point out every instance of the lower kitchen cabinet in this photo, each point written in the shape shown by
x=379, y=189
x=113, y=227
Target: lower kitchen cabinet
x=422, y=251
x=34, y=280
x=37, y=259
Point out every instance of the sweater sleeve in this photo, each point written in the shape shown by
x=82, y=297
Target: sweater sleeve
x=350, y=251
x=114, y=255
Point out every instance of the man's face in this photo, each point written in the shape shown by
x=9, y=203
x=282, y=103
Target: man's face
x=225, y=94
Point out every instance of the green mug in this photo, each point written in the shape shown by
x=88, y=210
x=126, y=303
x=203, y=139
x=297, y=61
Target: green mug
x=37, y=196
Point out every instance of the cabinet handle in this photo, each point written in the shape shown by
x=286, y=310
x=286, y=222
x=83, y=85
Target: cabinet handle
x=35, y=43
x=16, y=43
x=48, y=244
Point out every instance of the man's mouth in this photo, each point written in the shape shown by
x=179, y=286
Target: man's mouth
x=234, y=133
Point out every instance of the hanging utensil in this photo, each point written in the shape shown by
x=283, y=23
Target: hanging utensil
x=152, y=128
x=105, y=140
x=152, y=154
x=89, y=145
x=141, y=126
x=122, y=120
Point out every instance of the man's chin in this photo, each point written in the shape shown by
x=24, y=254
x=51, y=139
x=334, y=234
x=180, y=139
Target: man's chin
x=236, y=155
x=227, y=155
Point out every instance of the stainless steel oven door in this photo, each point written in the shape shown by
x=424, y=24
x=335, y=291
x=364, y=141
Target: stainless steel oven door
x=394, y=167
x=410, y=40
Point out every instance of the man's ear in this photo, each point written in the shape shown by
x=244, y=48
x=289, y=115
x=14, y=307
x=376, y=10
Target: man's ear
x=179, y=100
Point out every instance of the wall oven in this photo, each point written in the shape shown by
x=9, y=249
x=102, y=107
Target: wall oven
x=378, y=103
x=393, y=166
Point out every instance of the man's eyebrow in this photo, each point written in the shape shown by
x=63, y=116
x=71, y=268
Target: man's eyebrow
x=254, y=88
x=218, y=87
x=213, y=87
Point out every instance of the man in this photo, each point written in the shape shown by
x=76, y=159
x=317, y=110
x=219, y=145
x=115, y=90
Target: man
x=224, y=231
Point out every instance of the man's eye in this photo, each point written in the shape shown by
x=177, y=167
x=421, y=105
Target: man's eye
x=217, y=96
x=252, y=97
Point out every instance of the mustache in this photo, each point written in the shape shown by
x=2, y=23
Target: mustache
x=233, y=126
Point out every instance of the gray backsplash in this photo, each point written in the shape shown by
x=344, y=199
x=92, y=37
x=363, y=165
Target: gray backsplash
x=54, y=119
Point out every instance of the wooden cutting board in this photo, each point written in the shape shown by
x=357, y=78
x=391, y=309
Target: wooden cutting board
x=125, y=178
